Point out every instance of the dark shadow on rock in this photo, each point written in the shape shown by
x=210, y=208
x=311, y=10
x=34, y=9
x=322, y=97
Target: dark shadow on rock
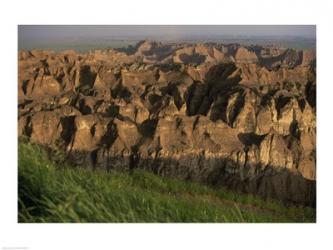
x=294, y=129
x=87, y=76
x=110, y=136
x=199, y=97
x=249, y=139
x=310, y=92
x=121, y=92
x=195, y=58
x=68, y=126
x=112, y=111
x=301, y=103
x=220, y=72
x=147, y=128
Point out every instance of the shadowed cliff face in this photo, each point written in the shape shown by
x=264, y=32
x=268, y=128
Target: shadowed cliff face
x=243, y=117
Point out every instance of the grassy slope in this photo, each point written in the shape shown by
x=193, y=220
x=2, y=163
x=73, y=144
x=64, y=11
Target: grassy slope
x=49, y=193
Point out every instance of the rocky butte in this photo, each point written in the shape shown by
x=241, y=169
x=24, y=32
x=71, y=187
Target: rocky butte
x=222, y=114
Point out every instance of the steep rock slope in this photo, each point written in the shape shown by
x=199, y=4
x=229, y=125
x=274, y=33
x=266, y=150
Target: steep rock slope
x=243, y=117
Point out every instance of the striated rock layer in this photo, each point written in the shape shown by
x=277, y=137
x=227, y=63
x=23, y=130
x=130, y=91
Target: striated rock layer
x=243, y=117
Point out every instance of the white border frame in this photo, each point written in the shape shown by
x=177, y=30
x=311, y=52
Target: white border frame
x=165, y=236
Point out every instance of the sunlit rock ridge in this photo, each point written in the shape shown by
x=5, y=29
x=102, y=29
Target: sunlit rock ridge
x=223, y=114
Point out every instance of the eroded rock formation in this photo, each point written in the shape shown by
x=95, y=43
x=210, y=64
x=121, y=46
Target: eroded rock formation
x=243, y=117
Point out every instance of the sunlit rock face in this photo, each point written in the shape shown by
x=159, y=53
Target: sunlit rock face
x=239, y=116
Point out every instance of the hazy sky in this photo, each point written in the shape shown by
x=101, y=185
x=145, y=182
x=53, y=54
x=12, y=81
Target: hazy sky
x=28, y=32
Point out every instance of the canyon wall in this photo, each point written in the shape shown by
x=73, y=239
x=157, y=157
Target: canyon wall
x=223, y=114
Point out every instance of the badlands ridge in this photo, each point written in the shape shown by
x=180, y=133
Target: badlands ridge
x=222, y=114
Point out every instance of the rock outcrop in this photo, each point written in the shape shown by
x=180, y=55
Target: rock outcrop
x=239, y=116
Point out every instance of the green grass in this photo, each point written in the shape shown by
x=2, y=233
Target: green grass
x=52, y=193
